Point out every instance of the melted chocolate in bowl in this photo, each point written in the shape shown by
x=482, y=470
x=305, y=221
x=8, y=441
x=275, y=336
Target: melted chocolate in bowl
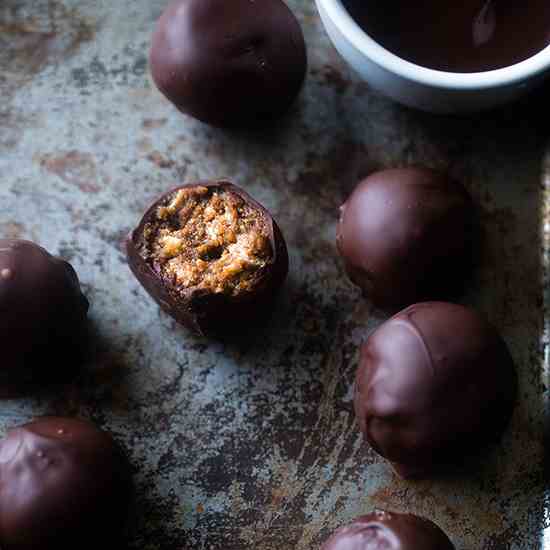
x=463, y=36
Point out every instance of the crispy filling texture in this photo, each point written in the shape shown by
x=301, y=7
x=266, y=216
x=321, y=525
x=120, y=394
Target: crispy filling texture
x=208, y=239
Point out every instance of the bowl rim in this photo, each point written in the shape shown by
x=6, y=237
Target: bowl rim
x=368, y=47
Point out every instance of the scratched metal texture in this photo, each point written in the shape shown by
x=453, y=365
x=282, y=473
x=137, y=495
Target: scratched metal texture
x=254, y=445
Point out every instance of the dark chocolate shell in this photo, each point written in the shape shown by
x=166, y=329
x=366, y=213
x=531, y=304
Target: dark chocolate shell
x=65, y=484
x=232, y=63
x=435, y=386
x=42, y=317
x=383, y=530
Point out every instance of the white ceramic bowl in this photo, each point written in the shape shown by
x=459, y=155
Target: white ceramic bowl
x=427, y=89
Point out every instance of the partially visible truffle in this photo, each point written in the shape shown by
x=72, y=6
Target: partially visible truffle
x=210, y=255
x=231, y=63
x=407, y=235
x=435, y=385
x=389, y=531
x=65, y=484
x=42, y=317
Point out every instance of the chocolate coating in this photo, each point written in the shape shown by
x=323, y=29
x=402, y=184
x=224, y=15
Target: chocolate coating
x=42, y=316
x=435, y=384
x=467, y=36
x=229, y=62
x=406, y=235
x=208, y=312
x=389, y=531
x=65, y=484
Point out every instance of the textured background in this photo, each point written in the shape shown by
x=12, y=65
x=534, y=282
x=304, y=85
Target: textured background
x=255, y=445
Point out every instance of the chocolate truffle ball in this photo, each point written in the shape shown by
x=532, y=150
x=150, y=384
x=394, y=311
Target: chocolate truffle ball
x=435, y=384
x=229, y=62
x=65, y=484
x=42, y=316
x=407, y=235
x=210, y=255
x=389, y=531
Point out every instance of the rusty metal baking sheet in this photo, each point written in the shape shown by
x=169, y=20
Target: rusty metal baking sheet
x=255, y=445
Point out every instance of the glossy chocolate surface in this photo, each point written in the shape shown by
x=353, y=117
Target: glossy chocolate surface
x=65, y=484
x=42, y=316
x=382, y=530
x=209, y=312
x=407, y=235
x=466, y=36
x=229, y=62
x=435, y=384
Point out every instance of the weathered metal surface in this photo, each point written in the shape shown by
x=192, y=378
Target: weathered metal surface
x=255, y=445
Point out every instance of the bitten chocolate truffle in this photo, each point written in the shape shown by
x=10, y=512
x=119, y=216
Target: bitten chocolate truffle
x=389, y=531
x=435, y=385
x=42, y=316
x=65, y=484
x=232, y=63
x=407, y=235
x=210, y=255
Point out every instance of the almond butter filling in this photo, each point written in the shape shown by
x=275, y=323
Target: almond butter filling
x=208, y=239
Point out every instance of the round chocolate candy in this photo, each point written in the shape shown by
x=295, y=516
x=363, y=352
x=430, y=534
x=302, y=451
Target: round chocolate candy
x=435, y=385
x=210, y=255
x=407, y=235
x=229, y=62
x=389, y=531
x=65, y=484
x=42, y=316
